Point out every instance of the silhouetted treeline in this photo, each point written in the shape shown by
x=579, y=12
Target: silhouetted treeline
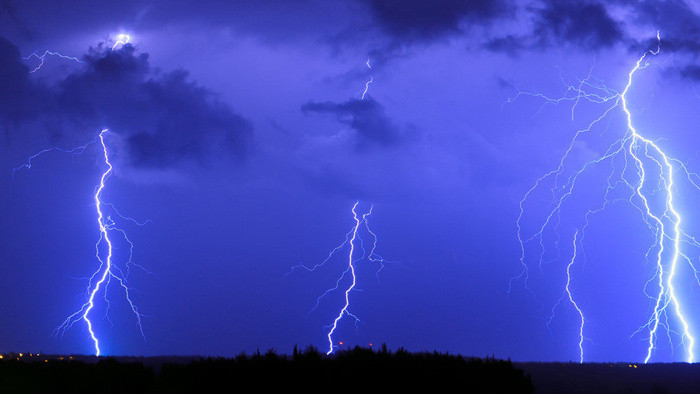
x=357, y=370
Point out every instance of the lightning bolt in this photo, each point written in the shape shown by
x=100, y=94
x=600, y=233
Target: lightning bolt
x=353, y=241
x=642, y=158
x=41, y=58
x=108, y=270
x=351, y=269
x=371, y=79
x=571, y=299
x=122, y=39
x=74, y=151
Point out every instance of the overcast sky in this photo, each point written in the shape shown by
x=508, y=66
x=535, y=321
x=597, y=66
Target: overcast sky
x=240, y=131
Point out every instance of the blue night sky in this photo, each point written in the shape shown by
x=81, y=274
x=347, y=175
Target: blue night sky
x=239, y=131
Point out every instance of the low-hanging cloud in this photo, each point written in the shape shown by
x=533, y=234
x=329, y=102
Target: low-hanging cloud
x=366, y=117
x=164, y=118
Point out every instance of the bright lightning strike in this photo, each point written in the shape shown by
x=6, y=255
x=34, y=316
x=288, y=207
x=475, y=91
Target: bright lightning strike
x=122, y=39
x=100, y=280
x=571, y=299
x=637, y=164
x=41, y=58
x=354, y=242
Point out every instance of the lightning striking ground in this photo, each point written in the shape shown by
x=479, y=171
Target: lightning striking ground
x=637, y=164
x=354, y=242
x=108, y=270
x=571, y=298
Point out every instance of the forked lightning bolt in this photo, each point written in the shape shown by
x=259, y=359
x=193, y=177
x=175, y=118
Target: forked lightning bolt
x=634, y=159
x=122, y=39
x=41, y=58
x=351, y=269
x=99, y=281
x=353, y=242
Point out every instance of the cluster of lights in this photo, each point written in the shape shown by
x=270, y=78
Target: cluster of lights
x=31, y=357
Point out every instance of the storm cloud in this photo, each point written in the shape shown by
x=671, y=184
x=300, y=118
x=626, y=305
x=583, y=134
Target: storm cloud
x=424, y=20
x=366, y=117
x=586, y=24
x=164, y=117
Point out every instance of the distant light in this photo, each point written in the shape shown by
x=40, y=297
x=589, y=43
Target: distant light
x=121, y=39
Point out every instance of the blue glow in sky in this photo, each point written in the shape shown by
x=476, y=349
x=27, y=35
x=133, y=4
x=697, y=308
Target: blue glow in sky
x=245, y=131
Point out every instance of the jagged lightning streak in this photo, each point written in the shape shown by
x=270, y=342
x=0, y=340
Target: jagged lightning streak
x=371, y=79
x=645, y=156
x=107, y=271
x=41, y=58
x=122, y=39
x=351, y=268
x=571, y=298
x=354, y=240
x=74, y=151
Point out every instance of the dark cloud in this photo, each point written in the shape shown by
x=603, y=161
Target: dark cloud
x=555, y=23
x=8, y=9
x=425, y=20
x=584, y=24
x=510, y=44
x=367, y=117
x=678, y=24
x=679, y=28
x=690, y=72
x=163, y=117
x=18, y=95
x=10, y=16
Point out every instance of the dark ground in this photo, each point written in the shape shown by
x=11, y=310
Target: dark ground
x=356, y=370
x=613, y=378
